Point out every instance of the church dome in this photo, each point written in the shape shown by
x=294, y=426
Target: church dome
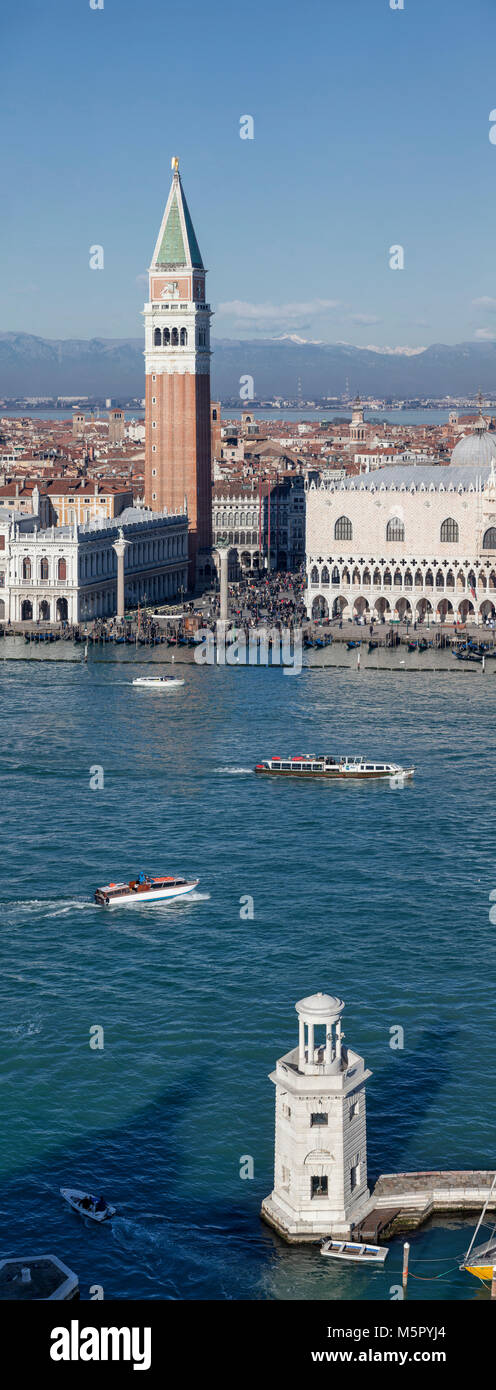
x=478, y=448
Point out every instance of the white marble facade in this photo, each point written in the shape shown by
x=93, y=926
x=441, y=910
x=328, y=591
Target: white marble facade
x=405, y=542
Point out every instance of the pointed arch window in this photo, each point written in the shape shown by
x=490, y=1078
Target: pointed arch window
x=335, y=575
x=166, y=337
x=450, y=530
x=439, y=580
x=184, y=338
x=395, y=530
x=343, y=530
x=489, y=542
x=174, y=338
x=314, y=576
x=325, y=575
x=157, y=338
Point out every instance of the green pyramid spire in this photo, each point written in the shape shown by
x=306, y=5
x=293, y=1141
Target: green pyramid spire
x=178, y=245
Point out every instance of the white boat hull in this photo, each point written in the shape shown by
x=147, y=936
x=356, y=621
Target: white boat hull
x=168, y=683
x=74, y=1196
x=354, y=1252
x=152, y=895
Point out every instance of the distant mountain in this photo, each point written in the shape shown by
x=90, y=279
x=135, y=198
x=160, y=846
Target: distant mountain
x=34, y=366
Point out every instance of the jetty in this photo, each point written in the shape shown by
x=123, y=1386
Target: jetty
x=402, y=1202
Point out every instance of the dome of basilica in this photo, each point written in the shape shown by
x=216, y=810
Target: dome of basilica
x=477, y=448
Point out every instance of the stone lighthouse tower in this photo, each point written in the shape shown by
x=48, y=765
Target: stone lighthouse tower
x=177, y=360
x=320, y=1171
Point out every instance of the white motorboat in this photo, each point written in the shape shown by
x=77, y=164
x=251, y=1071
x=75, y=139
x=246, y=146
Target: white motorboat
x=83, y=1202
x=351, y=767
x=159, y=682
x=143, y=890
x=355, y=1252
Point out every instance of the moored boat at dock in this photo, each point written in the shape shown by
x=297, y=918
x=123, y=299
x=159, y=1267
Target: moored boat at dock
x=355, y=1252
x=311, y=765
x=144, y=890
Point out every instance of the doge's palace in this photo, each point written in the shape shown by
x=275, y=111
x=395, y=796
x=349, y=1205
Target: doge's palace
x=407, y=542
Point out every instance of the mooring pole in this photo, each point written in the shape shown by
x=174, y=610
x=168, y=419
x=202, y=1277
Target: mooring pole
x=406, y=1252
x=493, y=1283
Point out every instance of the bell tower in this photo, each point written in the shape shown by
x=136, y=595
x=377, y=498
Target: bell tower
x=177, y=365
x=357, y=427
x=320, y=1169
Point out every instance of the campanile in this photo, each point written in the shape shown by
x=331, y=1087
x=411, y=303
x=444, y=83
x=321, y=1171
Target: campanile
x=177, y=365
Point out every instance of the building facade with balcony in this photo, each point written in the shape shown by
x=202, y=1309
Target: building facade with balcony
x=69, y=573
x=415, y=543
x=240, y=515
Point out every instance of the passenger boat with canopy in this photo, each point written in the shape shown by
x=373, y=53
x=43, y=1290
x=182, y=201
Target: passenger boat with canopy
x=481, y=1260
x=355, y=1252
x=144, y=889
x=350, y=767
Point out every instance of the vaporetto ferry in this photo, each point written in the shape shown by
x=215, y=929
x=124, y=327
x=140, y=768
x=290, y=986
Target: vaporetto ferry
x=310, y=765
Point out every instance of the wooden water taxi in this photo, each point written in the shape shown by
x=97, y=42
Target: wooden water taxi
x=144, y=890
x=355, y=1252
x=310, y=765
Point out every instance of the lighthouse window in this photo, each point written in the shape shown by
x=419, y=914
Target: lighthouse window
x=319, y=1186
x=354, y=1176
x=319, y=1118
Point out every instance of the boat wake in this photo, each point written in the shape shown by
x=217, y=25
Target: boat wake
x=234, y=771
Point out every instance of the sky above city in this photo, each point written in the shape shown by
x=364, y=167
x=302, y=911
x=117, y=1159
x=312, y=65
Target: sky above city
x=371, y=130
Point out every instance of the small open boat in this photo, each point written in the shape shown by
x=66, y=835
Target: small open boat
x=87, y=1205
x=158, y=682
x=143, y=890
x=354, y=1252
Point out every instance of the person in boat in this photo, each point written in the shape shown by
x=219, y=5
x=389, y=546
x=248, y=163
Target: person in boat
x=141, y=878
x=100, y=1204
x=87, y=1203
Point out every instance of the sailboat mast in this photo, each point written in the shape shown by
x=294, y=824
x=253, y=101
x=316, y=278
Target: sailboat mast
x=481, y=1218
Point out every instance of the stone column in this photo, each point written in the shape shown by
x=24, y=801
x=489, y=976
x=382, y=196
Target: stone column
x=223, y=554
x=301, y=1051
x=120, y=547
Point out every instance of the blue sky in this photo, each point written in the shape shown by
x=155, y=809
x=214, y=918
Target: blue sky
x=371, y=129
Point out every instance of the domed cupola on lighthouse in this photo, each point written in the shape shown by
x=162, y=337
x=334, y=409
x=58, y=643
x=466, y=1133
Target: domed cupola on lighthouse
x=320, y=1168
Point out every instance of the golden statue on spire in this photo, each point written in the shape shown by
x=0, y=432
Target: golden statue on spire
x=175, y=164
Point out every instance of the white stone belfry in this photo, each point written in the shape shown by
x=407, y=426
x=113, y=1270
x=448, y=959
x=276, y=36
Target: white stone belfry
x=320, y=1169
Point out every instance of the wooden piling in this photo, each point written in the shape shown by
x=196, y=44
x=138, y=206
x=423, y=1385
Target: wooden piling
x=406, y=1253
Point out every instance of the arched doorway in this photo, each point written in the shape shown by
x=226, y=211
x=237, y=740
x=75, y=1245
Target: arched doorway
x=26, y=611
x=466, y=610
x=487, y=610
x=424, y=609
x=320, y=608
x=403, y=609
x=62, y=610
x=445, y=610
x=382, y=607
x=338, y=607
x=361, y=607
x=44, y=611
